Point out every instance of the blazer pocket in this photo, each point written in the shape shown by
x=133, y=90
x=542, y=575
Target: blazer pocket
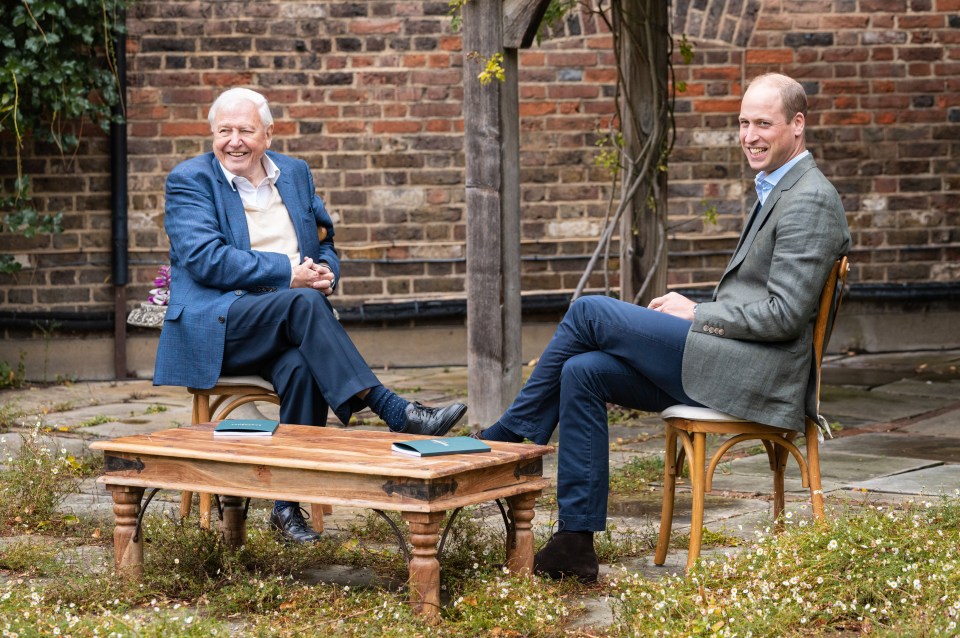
x=173, y=312
x=788, y=346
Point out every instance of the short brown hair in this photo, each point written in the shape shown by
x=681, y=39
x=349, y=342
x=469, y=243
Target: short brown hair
x=792, y=95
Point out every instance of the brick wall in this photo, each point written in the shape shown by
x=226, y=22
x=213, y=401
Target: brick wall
x=368, y=93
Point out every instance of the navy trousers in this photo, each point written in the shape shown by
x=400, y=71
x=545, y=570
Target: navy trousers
x=604, y=351
x=292, y=339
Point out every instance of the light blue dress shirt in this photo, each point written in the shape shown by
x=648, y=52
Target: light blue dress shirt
x=766, y=183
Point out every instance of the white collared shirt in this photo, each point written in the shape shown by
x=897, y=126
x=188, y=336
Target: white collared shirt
x=258, y=195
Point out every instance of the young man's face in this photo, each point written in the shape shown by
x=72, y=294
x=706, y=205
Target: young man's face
x=767, y=138
x=240, y=140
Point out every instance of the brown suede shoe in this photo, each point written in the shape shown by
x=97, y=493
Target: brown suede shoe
x=568, y=555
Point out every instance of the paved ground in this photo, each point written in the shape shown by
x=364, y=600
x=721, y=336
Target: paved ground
x=896, y=416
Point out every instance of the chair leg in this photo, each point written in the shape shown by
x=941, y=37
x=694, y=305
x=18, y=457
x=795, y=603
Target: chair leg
x=670, y=472
x=698, y=480
x=780, y=454
x=813, y=468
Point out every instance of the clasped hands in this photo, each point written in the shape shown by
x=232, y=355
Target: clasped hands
x=674, y=304
x=313, y=275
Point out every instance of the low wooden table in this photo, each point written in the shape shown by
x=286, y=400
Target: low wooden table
x=325, y=465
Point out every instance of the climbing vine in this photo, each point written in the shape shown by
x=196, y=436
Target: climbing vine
x=646, y=108
x=57, y=71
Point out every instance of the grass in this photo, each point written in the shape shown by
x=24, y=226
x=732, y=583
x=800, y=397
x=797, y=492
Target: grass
x=886, y=571
x=99, y=419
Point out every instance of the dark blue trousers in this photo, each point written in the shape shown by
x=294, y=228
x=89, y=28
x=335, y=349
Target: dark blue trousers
x=604, y=351
x=292, y=339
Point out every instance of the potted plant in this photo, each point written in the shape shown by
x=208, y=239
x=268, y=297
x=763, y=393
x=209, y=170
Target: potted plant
x=149, y=314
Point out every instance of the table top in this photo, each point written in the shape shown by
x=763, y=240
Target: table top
x=341, y=450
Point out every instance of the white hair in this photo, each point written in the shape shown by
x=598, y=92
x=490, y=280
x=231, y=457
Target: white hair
x=232, y=96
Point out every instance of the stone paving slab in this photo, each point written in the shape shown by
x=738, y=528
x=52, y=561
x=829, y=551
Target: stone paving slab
x=921, y=388
x=897, y=444
x=855, y=406
x=943, y=480
x=945, y=425
x=838, y=466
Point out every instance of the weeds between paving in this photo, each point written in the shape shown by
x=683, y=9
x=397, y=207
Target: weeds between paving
x=886, y=571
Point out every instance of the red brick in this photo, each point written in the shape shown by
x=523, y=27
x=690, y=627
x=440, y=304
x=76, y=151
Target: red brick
x=845, y=118
x=184, y=129
x=770, y=56
x=368, y=26
x=394, y=126
x=532, y=109
x=730, y=105
x=346, y=126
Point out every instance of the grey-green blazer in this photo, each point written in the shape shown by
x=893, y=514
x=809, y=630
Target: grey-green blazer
x=750, y=351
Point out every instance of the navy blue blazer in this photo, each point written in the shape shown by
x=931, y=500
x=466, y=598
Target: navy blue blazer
x=212, y=265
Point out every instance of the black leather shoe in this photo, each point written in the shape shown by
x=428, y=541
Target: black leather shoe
x=432, y=421
x=568, y=555
x=290, y=523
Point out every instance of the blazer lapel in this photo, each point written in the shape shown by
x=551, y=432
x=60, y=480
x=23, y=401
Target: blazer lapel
x=233, y=209
x=750, y=233
x=289, y=195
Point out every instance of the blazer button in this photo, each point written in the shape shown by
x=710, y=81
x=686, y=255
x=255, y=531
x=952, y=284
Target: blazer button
x=238, y=292
x=720, y=332
x=221, y=320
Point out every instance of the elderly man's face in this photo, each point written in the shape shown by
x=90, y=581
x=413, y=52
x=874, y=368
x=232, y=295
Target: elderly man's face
x=240, y=139
x=768, y=138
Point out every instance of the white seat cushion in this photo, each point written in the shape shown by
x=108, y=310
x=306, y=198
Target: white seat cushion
x=693, y=413
x=247, y=380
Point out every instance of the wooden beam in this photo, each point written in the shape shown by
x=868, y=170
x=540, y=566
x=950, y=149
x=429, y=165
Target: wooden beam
x=521, y=18
x=491, y=130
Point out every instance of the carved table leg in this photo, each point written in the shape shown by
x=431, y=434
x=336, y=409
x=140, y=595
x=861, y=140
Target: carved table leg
x=424, y=566
x=234, y=526
x=127, y=550
x=520, y=540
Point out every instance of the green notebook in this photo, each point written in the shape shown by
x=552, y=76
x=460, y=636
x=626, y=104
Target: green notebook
x=437, y=447
x=246, y=427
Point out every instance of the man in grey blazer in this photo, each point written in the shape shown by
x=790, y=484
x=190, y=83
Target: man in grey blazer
x=252, y=261
x=747, y=352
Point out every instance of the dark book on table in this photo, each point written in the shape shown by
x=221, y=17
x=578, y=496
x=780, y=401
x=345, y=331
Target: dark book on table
x=438, y=447
x=246, y=427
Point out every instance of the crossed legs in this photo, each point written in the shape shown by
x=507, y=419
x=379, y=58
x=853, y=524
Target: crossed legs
x=603, y=351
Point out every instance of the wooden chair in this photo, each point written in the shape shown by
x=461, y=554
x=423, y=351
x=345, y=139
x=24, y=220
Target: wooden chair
x=690, y=425
x=218, y=403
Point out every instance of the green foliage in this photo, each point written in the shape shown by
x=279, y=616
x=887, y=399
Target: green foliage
x=11, y=377
x=636, y=474
x=34, y=481
x=610, y=147
x=492, y=67
x=555, y=13
x=57, y=71
x=881, y=571
x=456, y=14
x=29, y=557
x=710, y=214
x=99, y=419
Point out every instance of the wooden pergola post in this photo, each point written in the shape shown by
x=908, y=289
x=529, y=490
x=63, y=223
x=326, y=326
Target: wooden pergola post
x=643, y=60
x=492, y=131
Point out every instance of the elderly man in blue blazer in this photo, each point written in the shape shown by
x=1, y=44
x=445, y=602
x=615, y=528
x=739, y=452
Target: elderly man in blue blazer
x=747, y=352
x=252, y=261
